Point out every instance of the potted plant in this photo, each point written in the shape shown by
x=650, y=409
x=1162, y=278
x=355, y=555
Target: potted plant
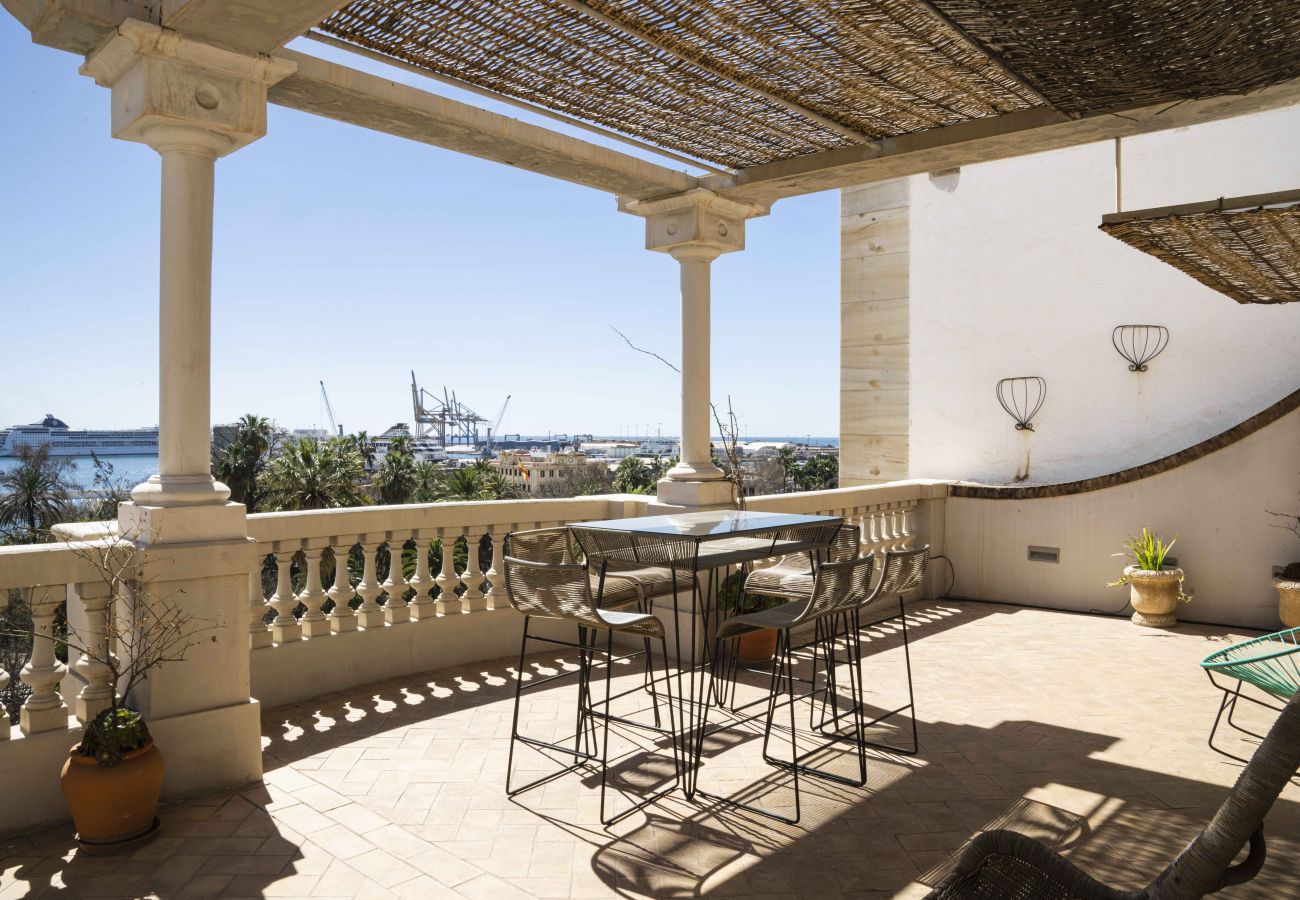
x=1154, y=590
x=113, y=777
x=1288, y=581
x=756, y=646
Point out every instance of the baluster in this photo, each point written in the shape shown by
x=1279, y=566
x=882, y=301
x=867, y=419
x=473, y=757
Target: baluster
x=93, y=666
x=369, y=614
x=342, y=618
x=259, y=634
x=496, y=573
x=905, y=528
x=4, y=715
x=44, y=709
x=472, y=600
x=896, y=528
x=448, y=603
x=395, y=610
x=855, y=519
x=313, y=596
x=880, y=531
x=285, y=628
x=422, y=605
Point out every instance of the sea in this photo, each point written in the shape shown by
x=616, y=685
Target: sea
x=130, y=469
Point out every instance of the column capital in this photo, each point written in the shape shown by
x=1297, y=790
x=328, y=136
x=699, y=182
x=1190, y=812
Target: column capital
x=173, y=92
x=695, y=225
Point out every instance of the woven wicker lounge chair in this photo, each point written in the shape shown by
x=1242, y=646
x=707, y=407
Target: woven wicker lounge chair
x=1004, y=865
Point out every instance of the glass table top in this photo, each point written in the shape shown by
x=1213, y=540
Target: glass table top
x=709, y=524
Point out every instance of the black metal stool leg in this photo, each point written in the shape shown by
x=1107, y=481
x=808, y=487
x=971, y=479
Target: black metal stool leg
x=608, y=718
x=580, y=757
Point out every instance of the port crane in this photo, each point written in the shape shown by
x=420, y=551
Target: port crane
x=329, y=411
x=453, y=421
x=495, y=431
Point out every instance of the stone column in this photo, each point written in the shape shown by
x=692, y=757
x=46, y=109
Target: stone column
x=192, y=103
x=695, y=228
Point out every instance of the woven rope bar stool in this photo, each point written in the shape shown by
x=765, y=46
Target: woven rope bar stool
x=562, y=591
x=792, y=576
x=902, y=571
x=557, y=545
x=838, y=589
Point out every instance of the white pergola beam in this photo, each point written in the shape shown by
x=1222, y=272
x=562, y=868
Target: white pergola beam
x=981, y=140
x=249, y=25
x=358, y=98
x=77, y=26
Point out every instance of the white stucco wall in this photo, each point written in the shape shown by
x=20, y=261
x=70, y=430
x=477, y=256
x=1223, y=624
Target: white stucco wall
x=1216, y=505
x=1011, y=276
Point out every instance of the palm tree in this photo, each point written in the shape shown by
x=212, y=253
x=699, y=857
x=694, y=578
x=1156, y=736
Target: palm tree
x=789, y=465
x=242, y=461
x=365, y=447
x=396, y=479
x=633, y=476
x=34, y=495
x=427, y=477
x=314, y=475
x=498, y=487
x=461, y=484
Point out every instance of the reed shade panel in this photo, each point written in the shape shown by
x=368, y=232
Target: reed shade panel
x=1251, y=252
x=1090, y=55
x=714, y=79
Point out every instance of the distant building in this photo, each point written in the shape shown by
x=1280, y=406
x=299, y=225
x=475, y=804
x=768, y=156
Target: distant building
x=532, y=471
x=610, y=449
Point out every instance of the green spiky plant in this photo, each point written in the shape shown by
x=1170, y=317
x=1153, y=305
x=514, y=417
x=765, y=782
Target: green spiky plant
x=1148, y=553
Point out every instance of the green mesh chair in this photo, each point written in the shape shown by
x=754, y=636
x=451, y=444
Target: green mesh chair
x=1271, y=663
x=1004, y=865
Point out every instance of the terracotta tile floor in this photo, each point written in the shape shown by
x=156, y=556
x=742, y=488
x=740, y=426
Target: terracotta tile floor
x=1085, y=731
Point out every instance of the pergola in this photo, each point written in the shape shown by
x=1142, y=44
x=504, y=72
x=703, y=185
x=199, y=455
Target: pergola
x=765, y=99
x=762, y=99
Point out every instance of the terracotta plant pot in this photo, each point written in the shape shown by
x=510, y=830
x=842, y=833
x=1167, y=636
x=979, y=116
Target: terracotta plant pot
x=1288, y=602
x=757, y=646
x=113, y=804
x=1154, y=595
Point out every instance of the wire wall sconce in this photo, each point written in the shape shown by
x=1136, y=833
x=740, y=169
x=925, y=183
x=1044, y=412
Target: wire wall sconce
x=1022, y=398
x=1139, y=344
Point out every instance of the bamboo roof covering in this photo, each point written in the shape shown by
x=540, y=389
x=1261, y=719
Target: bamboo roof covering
x=741, y=83
x=1247, y=248
x=704, y=77
x=1090, y=55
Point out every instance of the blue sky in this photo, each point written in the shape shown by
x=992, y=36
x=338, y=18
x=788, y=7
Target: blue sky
x=354, y=257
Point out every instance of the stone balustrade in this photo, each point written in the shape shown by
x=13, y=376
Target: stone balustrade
x=47, y=576
x=339, y=598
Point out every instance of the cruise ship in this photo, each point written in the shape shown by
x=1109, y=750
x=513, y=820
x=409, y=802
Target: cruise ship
x=424, y=449
x=64, y=441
